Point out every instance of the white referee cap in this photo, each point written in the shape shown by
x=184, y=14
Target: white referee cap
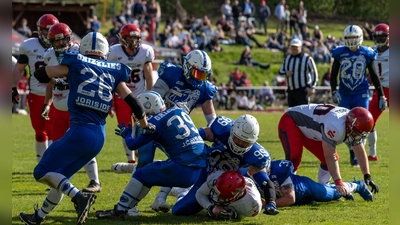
x=296, y=42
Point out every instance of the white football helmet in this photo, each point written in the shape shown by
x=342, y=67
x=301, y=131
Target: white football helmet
x=196, y=67
x=152, y=102
x=353, y=36
x=94, y=43
x=244, y=130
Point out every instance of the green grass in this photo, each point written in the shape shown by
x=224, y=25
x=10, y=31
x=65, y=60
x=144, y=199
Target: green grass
x=26, y=191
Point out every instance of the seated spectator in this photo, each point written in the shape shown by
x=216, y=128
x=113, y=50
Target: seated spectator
x=219, y=33
x=252, y=104
x=250, y=31
x=173, y=40
x=235, y=76
x=245, y=82
x=242, y=100
x=326, y=79
x=330, y=42
x=24, y=29
x=298, y=34
x=307, y=41
x=231, y=99
x=222, y=97
x=279, y=81
x=321, y=53
x=113, y=32
x=266, y=95
x=144, y=32
x=214, y=45
x=273, y=43
x=367, y=31
x=247, y=60
x=241, y=35
x=189, y=22
x=282, y=38
x=203, y=42
x=317, y=34
x=205, y=26
x=163, y=37
x=340, y=42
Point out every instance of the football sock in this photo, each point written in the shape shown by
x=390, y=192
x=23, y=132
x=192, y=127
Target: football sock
x=372, y=137
x=40, y=147
x=92, y=171
x=49, y=142
x=163, y=193
x=60, y=183
x=130, y=155
x=323, y=176
x=53, y=198
x=133, y=193
x=351, y=186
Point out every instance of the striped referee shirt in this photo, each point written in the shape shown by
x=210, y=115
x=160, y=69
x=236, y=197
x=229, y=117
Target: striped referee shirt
x=305, y=72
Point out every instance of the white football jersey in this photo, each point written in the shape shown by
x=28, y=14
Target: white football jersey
x=248, y=206
x=321, y=122
x=136, y=63
x=382, y=66
x=34, y=50
x=60, y=98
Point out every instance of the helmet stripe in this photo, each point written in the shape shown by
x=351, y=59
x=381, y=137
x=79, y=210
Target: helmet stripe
x=351, y=28
x=94, y=41
x=204, y=58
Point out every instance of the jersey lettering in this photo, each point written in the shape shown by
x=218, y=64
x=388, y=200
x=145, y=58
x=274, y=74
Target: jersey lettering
x=321, y=110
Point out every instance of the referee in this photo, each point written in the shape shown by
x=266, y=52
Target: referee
x=301, y=74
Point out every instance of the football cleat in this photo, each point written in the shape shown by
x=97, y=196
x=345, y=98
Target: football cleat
x=178, y=192
x=373, y=158
x=92, y=187
x=123, y=167
x=363, y=191
x=353, y=160
x=31, y=219
x=271, y=209
x=82, y=203
x=112, y=214
x=133, y=212
x=349, y=197
x=160, y=204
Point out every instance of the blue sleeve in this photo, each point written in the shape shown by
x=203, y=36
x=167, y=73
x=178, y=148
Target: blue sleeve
x=126, y=73
x=135, y=143
x=221, y=125
x=260, y=177
x=371, y=55
x=335, y=52
x=211, y=90
x=202, y=133
x=67, y=58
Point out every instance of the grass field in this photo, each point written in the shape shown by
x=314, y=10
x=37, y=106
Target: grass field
x=26, y=191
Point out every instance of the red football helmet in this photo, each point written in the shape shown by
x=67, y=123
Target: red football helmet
x=60, y=31
x=230, y=186
x=381, y=35
x=43, y=24
x=359, y=122
x=130, y=37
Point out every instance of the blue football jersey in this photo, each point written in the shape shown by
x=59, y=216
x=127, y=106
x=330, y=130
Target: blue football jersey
x=177, y=135
x=225, y=159
x=353, y=67
x=92, y=83
x=181, y=90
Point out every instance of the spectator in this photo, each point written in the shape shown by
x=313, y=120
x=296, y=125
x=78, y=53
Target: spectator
x=263, y=14
x=241, y=35
x=302, y=16
x=280, y=15
x=321, y=53
x=127, y=9
x=144, y=32
x=248, y=9
x=301, y=82
x=367, y=31
x=242, y=100
x=245, y=82
x=163, y=37
x=266, y=95
x=226, y=9
x=121, y=18
x=250, y=31
x=214, y=45
x=307, y=41
x=273, y=43
x=112, y=37
x=247, y=60
x=287, y=18
x=231, y=99
x=139, y=10
x=282, y=39
x=24, y=29
x=236, y=13
x=205, y=26
x=298, y=34
x=219, y=33
x=330, y=42
x=189, y=23
x=235, y=76
x=173, y=40
x=279, y=81
x=94, y=24
x=317, y=34
x=154, y=11
x=222, y=97
x=293, y=21
x=252, y=104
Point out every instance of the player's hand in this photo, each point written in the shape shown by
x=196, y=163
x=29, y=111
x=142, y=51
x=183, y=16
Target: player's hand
x=123, y=130
x=382, y=104
x=342, y=190
x=149, y=129
x=368, y=181
x=111, y=113
x=336, y=97
x=15, y=95
x=271, y=209
x=45, y=112
x=218, y=212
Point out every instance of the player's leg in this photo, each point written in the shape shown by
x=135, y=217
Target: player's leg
x=322, y=192
x=48, y=125
x=291, y=139
x=35, y=103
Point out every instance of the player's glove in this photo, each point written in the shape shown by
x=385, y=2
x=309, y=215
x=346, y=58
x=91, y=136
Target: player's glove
x=149, y=129
x=227, y=214
x=271, y=209
x=368, y=181
x=336, y=97
x=60, y=84
x=15, y=95
x=123, y=130
x=45, y=112
x=382, y=104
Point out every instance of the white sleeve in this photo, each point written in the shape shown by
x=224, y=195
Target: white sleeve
x=202, y=195
x=160, y=87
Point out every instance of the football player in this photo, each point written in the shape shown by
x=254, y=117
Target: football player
x=61, y=39
x=353, y=60
x=381, y=38
x=31, y=54
x=139, y=56
x=229, y=195
x=320, y=128
x=179, y=139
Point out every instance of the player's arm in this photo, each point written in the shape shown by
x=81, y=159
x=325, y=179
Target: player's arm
x=267, y=186
x=137, y=108
x=17, y=72
x=202, y=196
x=288, y=195
x=375, y=79
x=206, y=133
x=148, y=75
x=160, y=87
x=48, y=100
x=45, y=73
x=361, y=155
x=136, y=143
x=334, y=75
x=209, y=111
